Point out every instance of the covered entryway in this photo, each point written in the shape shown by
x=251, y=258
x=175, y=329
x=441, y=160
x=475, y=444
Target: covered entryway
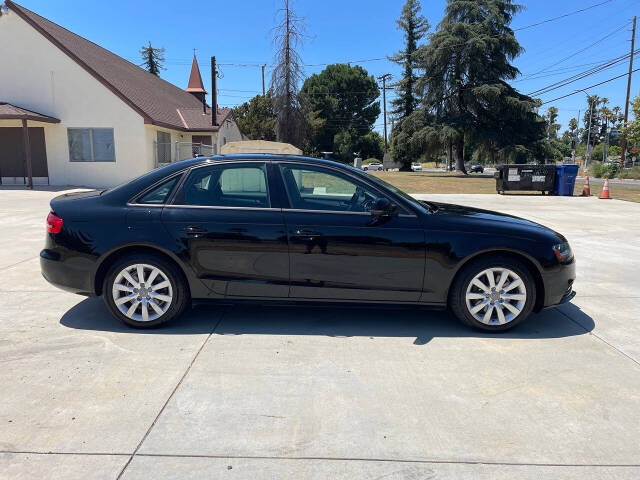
x=23, y=149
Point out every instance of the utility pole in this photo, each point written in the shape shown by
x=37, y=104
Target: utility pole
x=575, y=141
x=623, y=142
x=383, y=79
x=589, y=132
x=263, y=92
x=214, y=93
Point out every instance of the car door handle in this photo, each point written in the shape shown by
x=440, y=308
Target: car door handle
x=307, y=232
x=194, y=230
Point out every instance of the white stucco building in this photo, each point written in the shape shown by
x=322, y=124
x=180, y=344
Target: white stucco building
x=93, y=118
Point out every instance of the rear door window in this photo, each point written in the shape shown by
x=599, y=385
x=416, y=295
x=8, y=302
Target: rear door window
x=237, y=185
x=160, y=194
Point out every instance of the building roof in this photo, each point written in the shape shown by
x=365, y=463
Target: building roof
x=195, y=79
x=156, y=100
x=11, y=112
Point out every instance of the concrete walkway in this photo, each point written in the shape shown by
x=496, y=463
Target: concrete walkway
x=283, y=392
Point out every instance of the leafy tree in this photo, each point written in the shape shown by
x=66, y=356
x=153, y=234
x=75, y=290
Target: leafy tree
x=414, y=136
x=348, y=143
x=552, y=126
x=287, y=75
x=256, y=118
x=152, y=59
x=632, y=130
x=467, y=67
x=414, y=27
x=371, y=145
x=344, y=98
x=558, y=150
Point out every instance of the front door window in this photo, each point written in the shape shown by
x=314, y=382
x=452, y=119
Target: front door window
x=312, y=188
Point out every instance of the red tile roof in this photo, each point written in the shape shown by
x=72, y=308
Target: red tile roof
x=158, y=101
x=11, y=112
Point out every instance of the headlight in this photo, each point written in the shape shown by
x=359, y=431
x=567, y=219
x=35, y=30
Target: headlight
x=563, y=252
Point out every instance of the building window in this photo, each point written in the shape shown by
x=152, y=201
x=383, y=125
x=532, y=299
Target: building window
x=203, y=139
x=163, y=147
x=91, y=145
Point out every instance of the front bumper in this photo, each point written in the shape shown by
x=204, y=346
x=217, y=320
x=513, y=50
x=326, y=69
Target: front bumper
x=66, y=275
x=558, y=285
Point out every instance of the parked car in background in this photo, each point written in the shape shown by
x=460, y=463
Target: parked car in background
x=256, y=227
x=375, y=166
x=475, y=168
x=416, y=167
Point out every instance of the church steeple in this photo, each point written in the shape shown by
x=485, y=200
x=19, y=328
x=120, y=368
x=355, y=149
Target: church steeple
x=195, y=86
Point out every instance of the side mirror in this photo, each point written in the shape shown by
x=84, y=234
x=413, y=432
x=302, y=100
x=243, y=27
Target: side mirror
x=383, y=208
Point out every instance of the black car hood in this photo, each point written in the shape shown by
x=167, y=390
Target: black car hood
x=486, y=221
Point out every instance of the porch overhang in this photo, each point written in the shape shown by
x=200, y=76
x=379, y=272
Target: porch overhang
x=12, y=112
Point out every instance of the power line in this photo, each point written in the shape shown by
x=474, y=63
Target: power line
x=561, y=16
x=181, y=61
x=579, y=76
x=590, y=86
x=552, y=73
x=582, y=49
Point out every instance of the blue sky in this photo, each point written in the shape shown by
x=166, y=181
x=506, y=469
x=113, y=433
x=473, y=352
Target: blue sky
x=346, y=30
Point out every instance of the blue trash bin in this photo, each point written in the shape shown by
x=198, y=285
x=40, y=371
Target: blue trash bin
x=565, y=180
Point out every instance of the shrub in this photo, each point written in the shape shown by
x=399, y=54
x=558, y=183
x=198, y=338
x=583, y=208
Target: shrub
x=370, y=160
x=633, y=172
x=597, y=169
x=611, y=170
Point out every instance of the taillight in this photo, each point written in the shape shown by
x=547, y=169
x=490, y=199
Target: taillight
x=54, y=223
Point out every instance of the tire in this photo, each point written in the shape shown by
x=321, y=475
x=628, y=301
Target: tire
x=470, y=303
x=365, y=168
x=171, y=298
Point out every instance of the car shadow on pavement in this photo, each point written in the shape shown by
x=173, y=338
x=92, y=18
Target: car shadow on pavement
x=333, y=321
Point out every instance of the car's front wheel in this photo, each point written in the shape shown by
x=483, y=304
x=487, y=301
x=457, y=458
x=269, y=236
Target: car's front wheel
x=144, y=290
x=493, y=294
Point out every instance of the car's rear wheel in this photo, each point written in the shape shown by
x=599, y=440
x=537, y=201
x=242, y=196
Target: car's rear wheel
x=493, y=294
x=145, y=291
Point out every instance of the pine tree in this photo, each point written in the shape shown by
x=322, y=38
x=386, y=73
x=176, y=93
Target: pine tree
x=467, y=68
x=286, y=78
x=152, y=59
x=414, y=27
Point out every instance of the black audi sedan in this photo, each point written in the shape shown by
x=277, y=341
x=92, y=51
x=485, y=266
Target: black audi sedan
x=261, y=228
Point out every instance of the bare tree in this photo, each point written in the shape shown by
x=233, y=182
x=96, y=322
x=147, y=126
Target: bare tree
x=287, y=75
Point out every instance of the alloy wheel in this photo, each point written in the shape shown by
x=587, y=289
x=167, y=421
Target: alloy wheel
x=496, y=296
x=142, y=292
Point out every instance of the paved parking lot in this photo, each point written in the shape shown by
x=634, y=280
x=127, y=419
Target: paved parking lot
x=284, y=392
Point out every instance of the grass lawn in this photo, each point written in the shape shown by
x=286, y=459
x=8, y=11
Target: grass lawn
x=412, y=182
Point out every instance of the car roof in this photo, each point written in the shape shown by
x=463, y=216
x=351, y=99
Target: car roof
x=270, y=156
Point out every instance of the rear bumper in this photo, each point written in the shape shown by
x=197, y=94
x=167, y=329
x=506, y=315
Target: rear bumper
x=74, y=278
x=558, y=285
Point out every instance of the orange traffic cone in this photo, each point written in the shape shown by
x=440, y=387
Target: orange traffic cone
x=586, y=190
x=605, y=190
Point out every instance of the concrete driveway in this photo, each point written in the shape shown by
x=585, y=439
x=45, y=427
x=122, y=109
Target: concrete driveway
x=341, y=393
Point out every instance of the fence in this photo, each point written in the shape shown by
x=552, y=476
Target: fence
x=165, y=153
